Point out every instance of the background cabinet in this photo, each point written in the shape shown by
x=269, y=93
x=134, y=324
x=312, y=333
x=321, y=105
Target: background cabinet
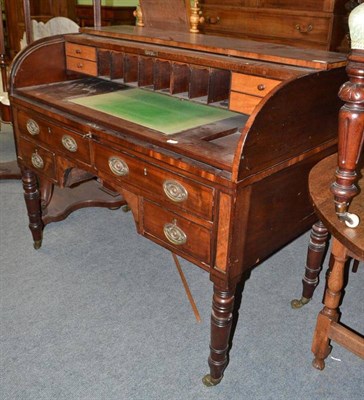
x=320, y=24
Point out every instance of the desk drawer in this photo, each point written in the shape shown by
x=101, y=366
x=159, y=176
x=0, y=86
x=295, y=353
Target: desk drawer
x=254, y=85
x=81, y=51
x=59, y=139
x=33, y=127
x=243, y=103
x=37, y=158
x=177, y=232
x=81, y=65
x=176, y=190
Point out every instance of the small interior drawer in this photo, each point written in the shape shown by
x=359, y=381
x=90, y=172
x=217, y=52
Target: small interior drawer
x=255, y=85
x=81, y=65
x=80, y=51
x=243, y=103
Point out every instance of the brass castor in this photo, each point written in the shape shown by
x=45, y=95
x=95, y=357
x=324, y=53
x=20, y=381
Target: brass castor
x=126, y=208
x=37, y=244
x=209, y=381
x=298, y=303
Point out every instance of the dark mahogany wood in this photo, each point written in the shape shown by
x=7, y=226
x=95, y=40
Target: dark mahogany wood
x=315, y=256
x=223, y=195
x=32, y=201
x=351, y=134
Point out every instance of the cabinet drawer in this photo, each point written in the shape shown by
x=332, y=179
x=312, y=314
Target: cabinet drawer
x=243, y=103
x=308, y=5
x=177, y=232
x=58, y=138
x=81, y=65
x=254, y=85
x=80, y=51
x=37, y=158
x=180, y=192
x=273, y=24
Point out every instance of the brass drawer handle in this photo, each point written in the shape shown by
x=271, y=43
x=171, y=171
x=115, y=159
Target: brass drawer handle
x=175, y=191
x=118, y=166
x=261, y=87
x=69, y=143
x=213, y=20
x=79, y=65
x=37, y=160
x=174, y=234
x=78, y=51
x=32, y=127
x=303, y=29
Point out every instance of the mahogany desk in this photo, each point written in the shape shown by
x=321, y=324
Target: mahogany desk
x=225, y=193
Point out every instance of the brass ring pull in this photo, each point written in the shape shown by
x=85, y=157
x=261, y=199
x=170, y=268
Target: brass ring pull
x=304, y=29
x=213, y=20
x=118, y=166
x=175, y=191
x=69, y=143
x=37, y=160
x=32, y=127
x=174, y=234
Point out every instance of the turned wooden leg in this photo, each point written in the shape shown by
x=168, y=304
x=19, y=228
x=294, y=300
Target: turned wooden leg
x=221, y=321
x=315, y=254
x=32, y=201
x=330, y=313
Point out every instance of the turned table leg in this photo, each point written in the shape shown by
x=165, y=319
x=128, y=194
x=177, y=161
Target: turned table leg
x=330, y=313
x=315, y=254
x=33, y=204
x=221, y=321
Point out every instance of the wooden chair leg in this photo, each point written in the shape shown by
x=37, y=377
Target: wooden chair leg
x=329, y=314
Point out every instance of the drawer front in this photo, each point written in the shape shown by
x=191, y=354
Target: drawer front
x=81, y=65
x=273, y=24
x=308, y=5
x=33, y=127
x=37, y=158
x=177, y=232
x=243, y=103
x=254, y=85
x=80, y=51
x=59, y=139
x=181, y=192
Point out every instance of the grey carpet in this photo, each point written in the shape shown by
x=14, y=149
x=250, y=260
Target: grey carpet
x=99, y=313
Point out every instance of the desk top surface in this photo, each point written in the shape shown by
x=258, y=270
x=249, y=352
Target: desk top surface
x=287, y=55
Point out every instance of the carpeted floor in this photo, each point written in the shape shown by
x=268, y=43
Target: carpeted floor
x=99, y=313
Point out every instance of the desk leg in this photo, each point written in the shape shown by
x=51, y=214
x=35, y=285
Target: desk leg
x=315, y=254
x=335, y=283
x=32, y=201
x=221, y=321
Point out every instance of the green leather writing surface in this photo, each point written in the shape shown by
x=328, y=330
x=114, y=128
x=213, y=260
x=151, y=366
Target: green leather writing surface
x=157, y=111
